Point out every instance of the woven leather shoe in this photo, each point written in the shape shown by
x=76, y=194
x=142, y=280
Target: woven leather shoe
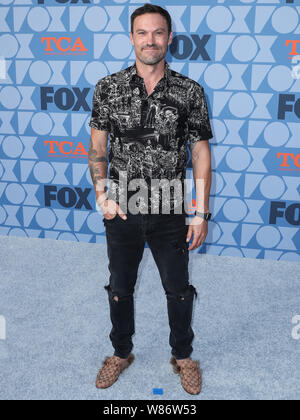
x=112, y=367
x=190, y=375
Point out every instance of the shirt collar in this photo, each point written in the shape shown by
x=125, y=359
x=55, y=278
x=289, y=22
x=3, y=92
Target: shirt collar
x=133, y=72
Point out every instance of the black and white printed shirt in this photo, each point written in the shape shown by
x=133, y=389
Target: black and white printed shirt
x=149, y=134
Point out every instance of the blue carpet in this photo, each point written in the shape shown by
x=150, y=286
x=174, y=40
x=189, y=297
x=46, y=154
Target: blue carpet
x=57, y=326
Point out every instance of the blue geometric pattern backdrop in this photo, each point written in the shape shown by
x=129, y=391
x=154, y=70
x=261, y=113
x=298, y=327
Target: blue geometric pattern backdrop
x=245, y=55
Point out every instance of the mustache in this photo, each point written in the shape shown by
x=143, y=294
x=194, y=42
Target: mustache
x=151, y=46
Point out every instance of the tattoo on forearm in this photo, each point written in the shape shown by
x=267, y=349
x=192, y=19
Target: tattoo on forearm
x=93, y=154
x=97, y=171
x=95, y=174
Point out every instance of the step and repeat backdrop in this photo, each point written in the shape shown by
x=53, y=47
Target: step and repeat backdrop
x=244, y=53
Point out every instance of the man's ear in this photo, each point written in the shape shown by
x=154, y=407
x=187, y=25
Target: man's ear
x=170, y=38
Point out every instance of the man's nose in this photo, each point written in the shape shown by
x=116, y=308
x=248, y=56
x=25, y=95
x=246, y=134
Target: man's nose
x=150, y=39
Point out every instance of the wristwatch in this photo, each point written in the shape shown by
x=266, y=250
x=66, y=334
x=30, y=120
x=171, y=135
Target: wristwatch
x=205, y=216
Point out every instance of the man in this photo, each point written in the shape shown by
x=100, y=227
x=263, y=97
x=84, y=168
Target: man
x=150, y=113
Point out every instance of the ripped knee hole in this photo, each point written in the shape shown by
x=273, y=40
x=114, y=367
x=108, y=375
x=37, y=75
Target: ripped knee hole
x=190, y=291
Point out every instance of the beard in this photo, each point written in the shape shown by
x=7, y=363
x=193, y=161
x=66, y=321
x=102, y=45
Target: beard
x=153, y=58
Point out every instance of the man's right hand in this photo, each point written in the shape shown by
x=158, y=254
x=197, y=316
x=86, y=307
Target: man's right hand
x=110, y=209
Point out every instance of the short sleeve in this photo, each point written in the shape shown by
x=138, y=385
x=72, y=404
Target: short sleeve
x=198, y=120
x=100, y=112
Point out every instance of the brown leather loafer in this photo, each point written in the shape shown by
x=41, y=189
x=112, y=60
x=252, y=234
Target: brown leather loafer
x=190, y=375
x=111, y=369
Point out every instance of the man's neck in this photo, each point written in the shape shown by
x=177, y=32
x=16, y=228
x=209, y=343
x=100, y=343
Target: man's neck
x=149, y=73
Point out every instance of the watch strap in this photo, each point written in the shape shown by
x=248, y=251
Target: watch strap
x=205, y=216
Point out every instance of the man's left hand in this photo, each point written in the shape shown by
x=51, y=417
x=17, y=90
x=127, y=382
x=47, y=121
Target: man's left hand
x=199, y=229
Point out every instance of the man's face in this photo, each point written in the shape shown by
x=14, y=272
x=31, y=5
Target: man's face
x=150, y=38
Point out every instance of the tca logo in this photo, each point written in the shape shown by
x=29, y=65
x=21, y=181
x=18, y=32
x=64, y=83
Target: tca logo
x=293, y=44
x=289, y=158
x=66, y=148
x=63, y=45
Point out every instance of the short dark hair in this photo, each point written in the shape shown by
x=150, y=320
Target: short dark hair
x=151, y=8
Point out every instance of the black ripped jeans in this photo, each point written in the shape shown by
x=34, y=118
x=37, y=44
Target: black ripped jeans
x=166, y=236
